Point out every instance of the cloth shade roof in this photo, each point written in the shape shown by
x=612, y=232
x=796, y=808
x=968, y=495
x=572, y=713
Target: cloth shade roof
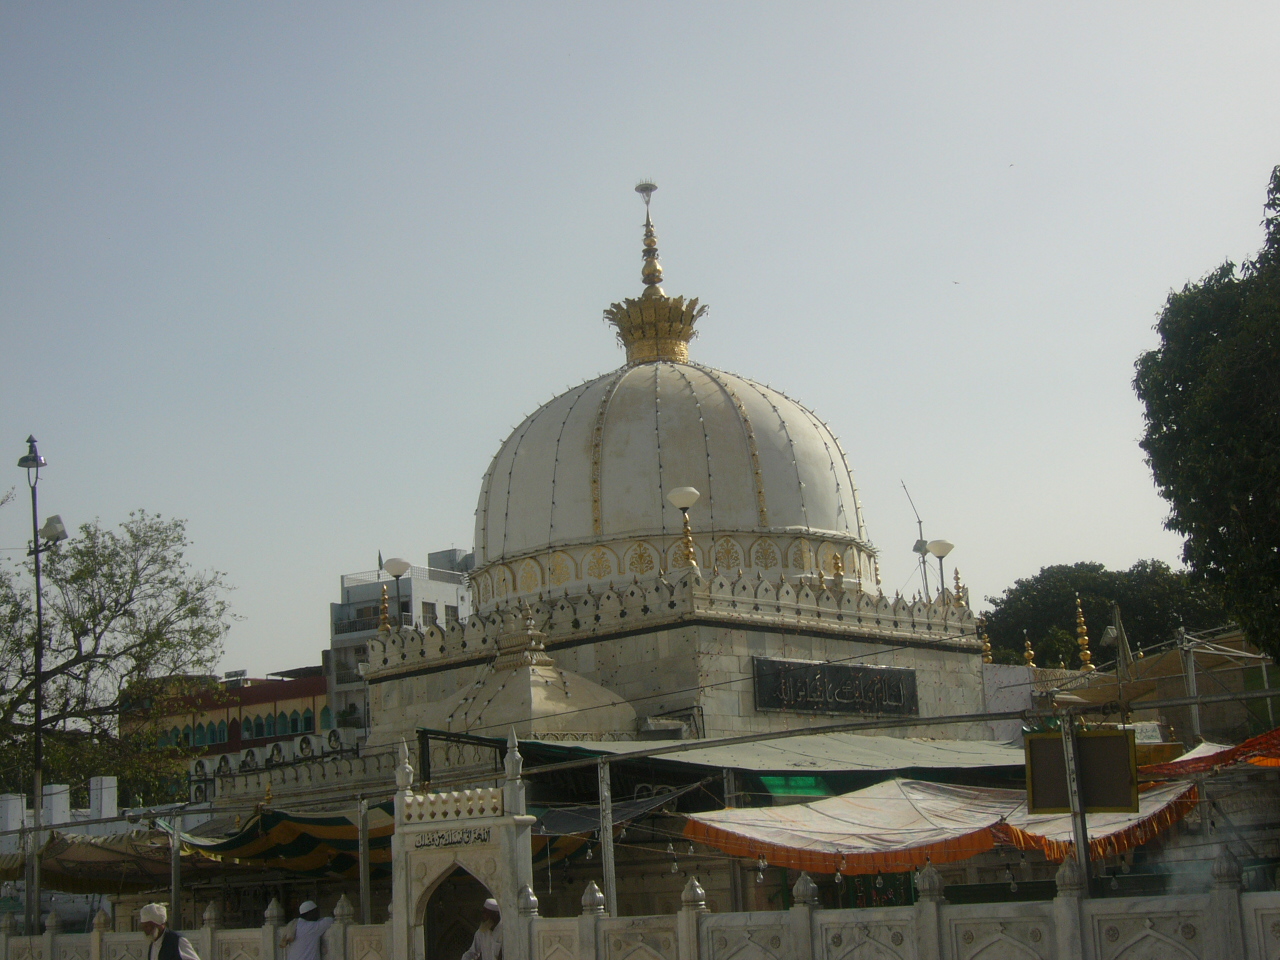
x=1262, y=751
x=900, y=824
x=823, y=752
x=120, y=863
x=325, y=844
x=585, y=819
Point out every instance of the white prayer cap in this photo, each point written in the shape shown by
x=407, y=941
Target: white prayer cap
x=491, y=904
x=307, y=906
x=153, y=913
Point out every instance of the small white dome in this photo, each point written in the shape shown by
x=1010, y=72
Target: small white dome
x=596, y=464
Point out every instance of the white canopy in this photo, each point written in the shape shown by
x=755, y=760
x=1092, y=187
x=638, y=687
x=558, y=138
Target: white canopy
x=899, y=824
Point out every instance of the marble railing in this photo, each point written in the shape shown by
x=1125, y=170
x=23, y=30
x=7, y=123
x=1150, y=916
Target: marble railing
x=345, y=940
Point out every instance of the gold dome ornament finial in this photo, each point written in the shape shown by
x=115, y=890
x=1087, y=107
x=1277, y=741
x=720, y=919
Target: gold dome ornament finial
x=654, y=326
x=1028, y=654
x=986, y=640
x=384, y=622
x=1082, y=634
x=651, y=272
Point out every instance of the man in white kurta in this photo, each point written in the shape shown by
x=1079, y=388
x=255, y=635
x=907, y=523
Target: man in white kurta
x=487, y=944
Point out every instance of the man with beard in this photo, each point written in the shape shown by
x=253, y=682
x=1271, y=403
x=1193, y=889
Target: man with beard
x=487, y=944
x=165, y=944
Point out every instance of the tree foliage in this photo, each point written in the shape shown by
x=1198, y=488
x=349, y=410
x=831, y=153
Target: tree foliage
x=1153, y=600
x=1212, y=439
x=120, y=606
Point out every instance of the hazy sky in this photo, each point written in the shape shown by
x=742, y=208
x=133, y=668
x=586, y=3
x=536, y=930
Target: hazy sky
x=293, y=271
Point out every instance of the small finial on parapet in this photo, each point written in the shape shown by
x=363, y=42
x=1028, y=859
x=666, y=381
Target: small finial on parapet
x=515, y=762
x=1028, y=654
x=384, y=622
x=404, y=772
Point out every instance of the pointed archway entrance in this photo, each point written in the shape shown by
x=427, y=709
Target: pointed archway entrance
x=452, y=915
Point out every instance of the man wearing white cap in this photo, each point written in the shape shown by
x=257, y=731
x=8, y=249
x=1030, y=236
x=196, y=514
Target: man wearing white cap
x=305, y=935
x=487, y=944
x=165, y=944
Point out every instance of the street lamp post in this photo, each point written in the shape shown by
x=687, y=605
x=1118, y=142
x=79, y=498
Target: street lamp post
x=52, y=533
x=397, y=568
x=940, y=548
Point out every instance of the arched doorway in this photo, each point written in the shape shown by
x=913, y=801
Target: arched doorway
x=453, y=915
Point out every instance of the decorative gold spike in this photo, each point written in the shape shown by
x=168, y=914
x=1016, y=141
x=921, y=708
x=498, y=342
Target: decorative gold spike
x=986, y=641
x=651, y=272
x=1028, y=654
x=958, y=596
x=1082, y=635
x=654, y=326
x=266, y=797
x=384, y=624
x=690, y=558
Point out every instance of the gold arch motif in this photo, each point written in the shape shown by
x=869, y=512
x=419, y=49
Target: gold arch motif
x=530, y=576
x=560, y=569
x=675, y=556
x=502, y=580
x=764, y=555
x=800, y=556
x=600, y=563
x=827, y=559
x=728, y=555
x=641, y=560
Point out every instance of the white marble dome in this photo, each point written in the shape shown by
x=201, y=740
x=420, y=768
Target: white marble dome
x=594, y=466
x=577, y=495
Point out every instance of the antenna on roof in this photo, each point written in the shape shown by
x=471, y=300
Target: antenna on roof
x=922, y=546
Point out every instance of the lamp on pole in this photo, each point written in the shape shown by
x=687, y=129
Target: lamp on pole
x=682, y=498
x=52, y=533
x=397, y=568
x=940, y=548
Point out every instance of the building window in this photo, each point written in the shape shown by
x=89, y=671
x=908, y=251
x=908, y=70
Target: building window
x=186, y=735
x=282, y=724
x=450, y=613
x=308, y=721
x=270, y=726
x=222, y=731
x=175, y=737
x=295, y=722
x=428, y=612
x=326, y=718
x=200, y=735
x=233, y=729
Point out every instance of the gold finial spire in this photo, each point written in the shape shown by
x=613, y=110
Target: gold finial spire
x=1082, y=634
x=654, y=326
x=986, y=641
x=837, y=566
x=651, y=272
x=384, y=624
x=1028, y=654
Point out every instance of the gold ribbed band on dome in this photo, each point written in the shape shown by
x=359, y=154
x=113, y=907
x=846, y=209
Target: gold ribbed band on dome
x=655, y=327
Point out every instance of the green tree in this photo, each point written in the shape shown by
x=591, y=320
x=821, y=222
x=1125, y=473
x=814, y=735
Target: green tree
x=1212, y=439
x=122, y=607
x=1153, y=600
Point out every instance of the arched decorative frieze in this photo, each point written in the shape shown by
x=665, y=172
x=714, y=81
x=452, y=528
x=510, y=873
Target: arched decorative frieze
x=484, y=587
x=530, y=580
x=600, y=563
x=728, y=555
x=641, y=560
x=764, y=555
x=560, y=569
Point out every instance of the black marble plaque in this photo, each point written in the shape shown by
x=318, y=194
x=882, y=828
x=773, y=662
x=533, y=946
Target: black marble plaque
x=805, y=687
